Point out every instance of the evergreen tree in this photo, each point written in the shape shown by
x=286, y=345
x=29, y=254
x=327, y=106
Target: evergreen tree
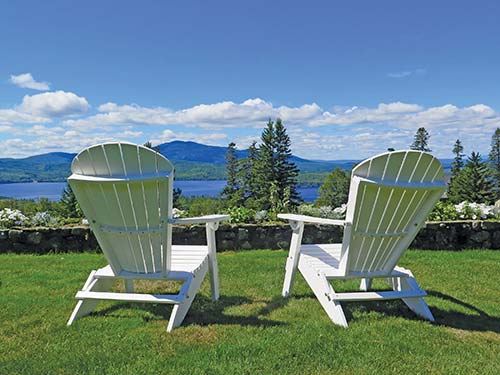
x=148, y=144
x=230, y=191
x=473, y=182
x=247, y=175
x=456, y=167
x=334, y=190
x=495, y=161
x=275, y=175
x=286, y=171
x=458, y=162
x=421, y=140
x=69, y=204
x=265, y=166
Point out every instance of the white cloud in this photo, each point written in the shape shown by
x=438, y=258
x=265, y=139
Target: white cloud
x=54, y=104
x=339, y=133
x=12, y=116
x=252, y=112
x=26, y=80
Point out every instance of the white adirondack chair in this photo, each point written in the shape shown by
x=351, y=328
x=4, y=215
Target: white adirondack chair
x=390, y=196
x=125, y=191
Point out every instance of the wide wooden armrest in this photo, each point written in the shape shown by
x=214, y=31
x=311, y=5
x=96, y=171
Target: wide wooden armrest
x=199, y=219
x=311, y=219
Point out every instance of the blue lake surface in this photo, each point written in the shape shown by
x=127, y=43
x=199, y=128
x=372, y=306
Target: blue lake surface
x=194, y=188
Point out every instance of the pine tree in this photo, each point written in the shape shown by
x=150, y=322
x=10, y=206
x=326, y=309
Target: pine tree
x=265, y=166
x=473, y=182
x=458, y=162
x=421, y=140
x=456, y=167
x=231, y=189
x=495, y=161
x=276, y=175
x=247, y=176
x=334, y=190
x=148, y=144
x=69, y=204
x=286, y=171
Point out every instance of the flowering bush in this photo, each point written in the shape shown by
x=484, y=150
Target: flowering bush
x=444, y=211
x=323, y=211
x=261, y=216
x=43, y=219
x=241, y=215
x=10, y=218
x=178, y=213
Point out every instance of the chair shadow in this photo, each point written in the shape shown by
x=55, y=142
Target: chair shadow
x=203, y=312
x=479, y=321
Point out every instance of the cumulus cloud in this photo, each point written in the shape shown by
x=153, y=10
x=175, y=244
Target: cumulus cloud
x=54, y=104
x=338, y=133
x=227, y=114
x=26, y=80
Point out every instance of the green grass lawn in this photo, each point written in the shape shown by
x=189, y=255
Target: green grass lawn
x=251, y=330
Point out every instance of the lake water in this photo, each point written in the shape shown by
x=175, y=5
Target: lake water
x=195, y=188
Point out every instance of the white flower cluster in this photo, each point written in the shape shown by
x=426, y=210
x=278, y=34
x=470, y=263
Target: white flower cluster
x=476, y=211
x=176, y=213
x=43, y=218
x=10, y=217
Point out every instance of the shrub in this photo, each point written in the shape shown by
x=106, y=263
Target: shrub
x=446, y=211
x=261, y=216
x=10, y=218
x=241, y=215
x=43, y=219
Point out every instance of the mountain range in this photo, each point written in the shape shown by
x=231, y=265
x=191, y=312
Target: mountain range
x=193, y=161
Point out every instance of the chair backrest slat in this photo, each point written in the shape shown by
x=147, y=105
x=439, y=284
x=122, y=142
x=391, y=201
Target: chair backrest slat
x=128, y=214
x=390, y=196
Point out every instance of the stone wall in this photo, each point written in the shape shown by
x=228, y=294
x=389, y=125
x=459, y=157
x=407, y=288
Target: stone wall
x=435, y=236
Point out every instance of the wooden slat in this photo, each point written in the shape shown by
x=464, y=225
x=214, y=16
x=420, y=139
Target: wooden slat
x=368, y=296
x=131, y=297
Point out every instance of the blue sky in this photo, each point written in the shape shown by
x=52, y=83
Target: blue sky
x=349, y=79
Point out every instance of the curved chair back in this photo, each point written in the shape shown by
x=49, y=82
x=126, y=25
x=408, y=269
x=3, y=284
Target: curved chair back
x=125, y=191
x=390, y=196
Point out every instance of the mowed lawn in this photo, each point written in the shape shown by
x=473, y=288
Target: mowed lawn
x=251, y=329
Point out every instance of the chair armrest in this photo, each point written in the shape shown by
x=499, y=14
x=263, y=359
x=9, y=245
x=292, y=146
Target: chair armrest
x=311, y=219
x=199, y=219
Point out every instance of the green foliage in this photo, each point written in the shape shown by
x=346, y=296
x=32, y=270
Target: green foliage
x=494, y=157
x=69, y=204
x=197, y=206
x=458, y=162
x=241, y=214
x=334, y=190
x=286, y=171
x=421, y=140
x=327, y=212
x=232, y=192
x=473, y=183
x=275, y=175
x=444, y=211
x=247, y=175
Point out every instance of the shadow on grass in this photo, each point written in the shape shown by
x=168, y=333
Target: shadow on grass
x=479, y=320
x=203, y=312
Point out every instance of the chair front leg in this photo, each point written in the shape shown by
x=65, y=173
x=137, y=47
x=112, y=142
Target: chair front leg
x=293, y=256
x=212, y=259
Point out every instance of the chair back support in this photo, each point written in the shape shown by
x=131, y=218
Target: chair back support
x=125, y=192
x=390, y=197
